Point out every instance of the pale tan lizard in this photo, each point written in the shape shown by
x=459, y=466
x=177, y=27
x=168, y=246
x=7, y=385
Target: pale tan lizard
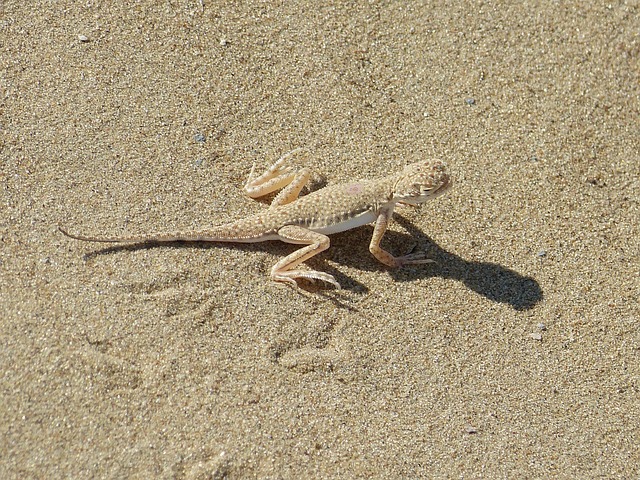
x=307, y=220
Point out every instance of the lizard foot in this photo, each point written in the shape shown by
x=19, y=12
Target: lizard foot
x=312, y=275
x=413, y=259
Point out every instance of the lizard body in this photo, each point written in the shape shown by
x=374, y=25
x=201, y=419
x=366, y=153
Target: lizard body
x=307, y=220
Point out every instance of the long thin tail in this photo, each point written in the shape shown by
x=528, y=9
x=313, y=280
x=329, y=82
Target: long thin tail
x=192, y=236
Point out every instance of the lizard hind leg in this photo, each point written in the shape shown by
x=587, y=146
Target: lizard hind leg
x=278, y=176
x=284, y=271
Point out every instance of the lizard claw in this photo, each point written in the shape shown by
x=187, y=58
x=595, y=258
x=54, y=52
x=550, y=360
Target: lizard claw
x=311, y=275
x=413, y=259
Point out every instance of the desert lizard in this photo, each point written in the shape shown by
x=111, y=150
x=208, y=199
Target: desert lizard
x=307, y=220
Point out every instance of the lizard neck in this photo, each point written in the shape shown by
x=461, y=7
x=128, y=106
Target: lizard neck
x=386, y=188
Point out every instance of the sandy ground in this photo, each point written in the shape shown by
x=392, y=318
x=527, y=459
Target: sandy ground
x=517, y=355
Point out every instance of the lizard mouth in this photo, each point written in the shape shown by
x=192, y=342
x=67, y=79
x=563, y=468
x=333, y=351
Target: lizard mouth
x=428, y=194
x=446, y=184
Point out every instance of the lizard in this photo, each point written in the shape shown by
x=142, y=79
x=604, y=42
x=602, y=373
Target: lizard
x=309, y=219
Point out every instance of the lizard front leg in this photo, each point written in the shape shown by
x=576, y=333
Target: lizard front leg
x=316, y=243
x=381, y=254
x=278, y=176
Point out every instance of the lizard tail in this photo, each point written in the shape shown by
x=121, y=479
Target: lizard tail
x=231, y=232
x=128, y=238
x=144, y=238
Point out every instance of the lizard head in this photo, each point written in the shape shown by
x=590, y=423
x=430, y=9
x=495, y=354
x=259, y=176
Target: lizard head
x=421, y=181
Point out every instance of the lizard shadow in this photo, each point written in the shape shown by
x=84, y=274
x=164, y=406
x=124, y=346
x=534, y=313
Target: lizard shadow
x=275, y=248
x=495, y=282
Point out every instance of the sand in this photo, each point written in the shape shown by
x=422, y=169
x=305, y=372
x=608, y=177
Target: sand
x=517, y=355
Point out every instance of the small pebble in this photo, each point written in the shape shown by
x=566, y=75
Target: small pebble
x=199, y=162
x=470, y=429
x=83, y=38
x=542, y=253
x=224, y=42
x=200, y=138
x=536, y=336
x=542, y=326
x=470, y=101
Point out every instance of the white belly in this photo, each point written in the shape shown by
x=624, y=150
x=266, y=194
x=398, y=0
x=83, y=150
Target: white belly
x=357, y=221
